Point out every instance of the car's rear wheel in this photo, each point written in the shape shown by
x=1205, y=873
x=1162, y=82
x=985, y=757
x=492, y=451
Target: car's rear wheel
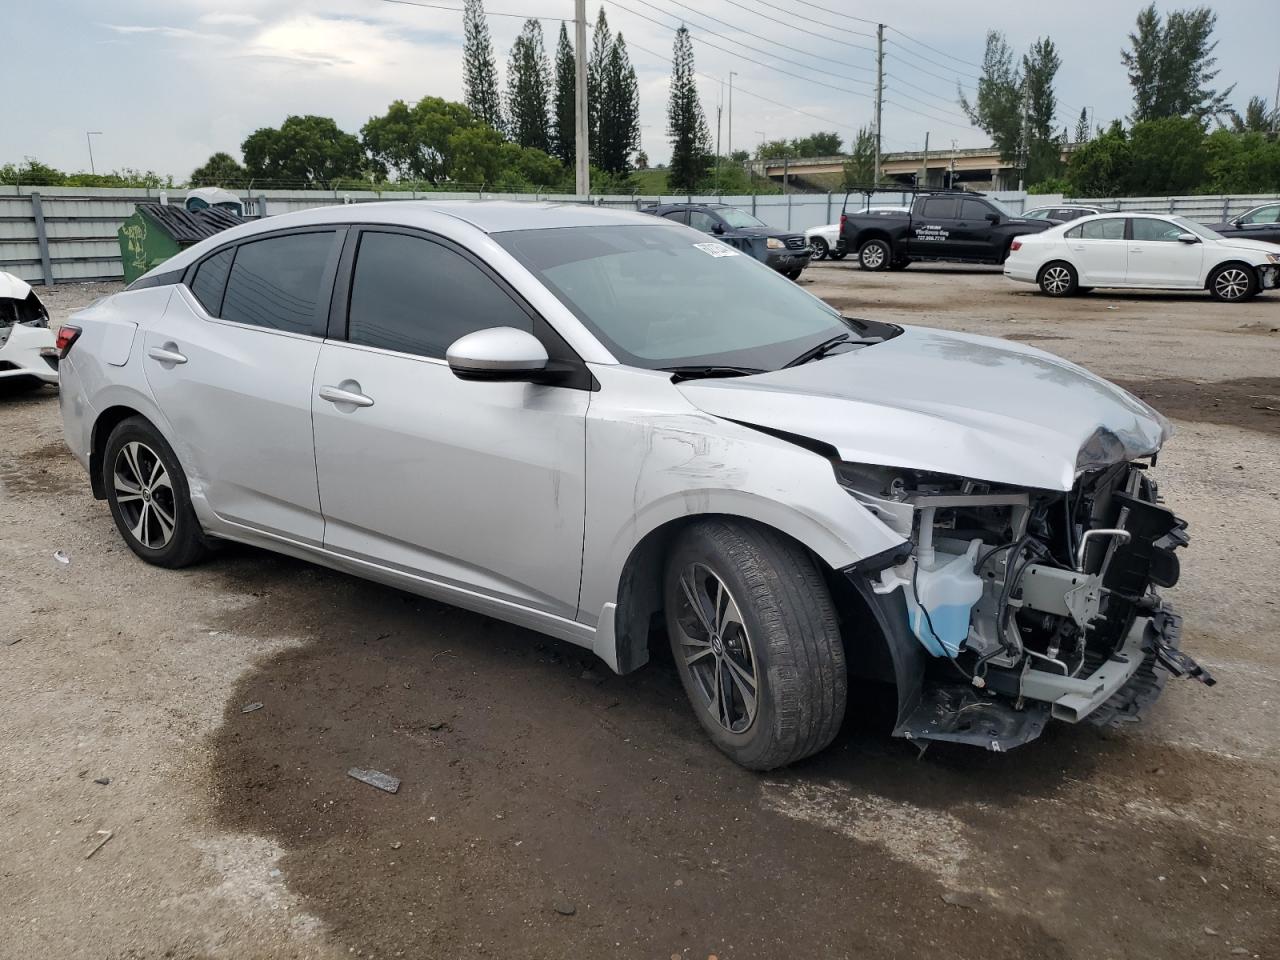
x=900, y=264
x=839, y=254
x=754, y=633
x=874, y=255
x=820, y=249
x=1058, y=279
x=794, y=274
x=1233, y=282
x=148, y=496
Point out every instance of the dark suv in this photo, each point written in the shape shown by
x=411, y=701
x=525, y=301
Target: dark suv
x=788, y=253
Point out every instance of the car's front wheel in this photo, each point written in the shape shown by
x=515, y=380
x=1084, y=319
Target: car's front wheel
x=1233, y=282
x=1059, y=279
x=874, y=255
x=820, y=249
x=794, y=274
x=754, y=633
x=148, y=496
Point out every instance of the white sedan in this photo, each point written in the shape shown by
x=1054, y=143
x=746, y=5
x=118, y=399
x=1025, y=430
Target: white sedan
x=1145, y=251
x=28, y=357
x=825, y=242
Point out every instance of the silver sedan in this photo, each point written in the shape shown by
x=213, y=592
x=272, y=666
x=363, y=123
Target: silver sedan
x=611, y=430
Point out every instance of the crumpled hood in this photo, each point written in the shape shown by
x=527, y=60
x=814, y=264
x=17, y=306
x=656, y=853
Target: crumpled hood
x=12, y=287
x=953, y=403
x=1253, y=246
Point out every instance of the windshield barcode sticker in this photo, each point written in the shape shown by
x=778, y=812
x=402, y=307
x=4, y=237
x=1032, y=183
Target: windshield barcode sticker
x=717, y=249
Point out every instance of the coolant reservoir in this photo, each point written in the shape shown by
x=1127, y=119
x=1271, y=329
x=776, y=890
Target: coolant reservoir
x=947, y=586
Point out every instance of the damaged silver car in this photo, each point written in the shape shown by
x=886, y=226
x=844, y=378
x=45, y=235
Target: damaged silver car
x=610, y=429
x=28, y=355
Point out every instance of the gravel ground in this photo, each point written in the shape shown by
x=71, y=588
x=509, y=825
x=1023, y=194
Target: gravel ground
x=550, y=809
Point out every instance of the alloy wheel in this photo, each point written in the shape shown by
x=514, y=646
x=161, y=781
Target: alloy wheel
x=144, y=494
x=1232, y=283
x=873, y=257
x=716, y=648
x=1057, y=280
x=819, y=249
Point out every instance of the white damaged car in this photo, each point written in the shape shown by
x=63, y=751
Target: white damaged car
x=28, y=357
x=607, y=428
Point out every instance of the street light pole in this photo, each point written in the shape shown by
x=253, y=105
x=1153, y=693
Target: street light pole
x=729, y=138
x=88, y=135
x=582, y=180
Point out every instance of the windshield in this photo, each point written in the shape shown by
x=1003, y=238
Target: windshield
x=1004, y=210
x=1042, y=214
x=738, y=218
x=1199, y=229
x=662, y=296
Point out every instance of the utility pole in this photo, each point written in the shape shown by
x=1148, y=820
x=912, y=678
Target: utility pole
x=729, y=147
x=924, y=164
x=879, y=93
x=719, y=110
x=582, y=181
x=951, y=181
x=88, y=138
x=1275, y=107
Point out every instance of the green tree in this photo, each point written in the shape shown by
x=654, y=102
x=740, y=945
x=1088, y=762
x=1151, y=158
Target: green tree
x=565, y=112
x=1257, y=118
x=1042, y=149
x=776, y=150
x=528, y=86
x=1101, y=167
x=479, y=66
x=307, y=149
x=414, y=142
x=1167, y=156
x=997, y=106
x=1241, y=163
x=33, y=173
x=820, y=144
x=219, y=170
x=601, y=44
x=1170, y=62
x=1082, y=126
x=619, y=134
x=475, y=155
x=860, y=168
x=686, y=124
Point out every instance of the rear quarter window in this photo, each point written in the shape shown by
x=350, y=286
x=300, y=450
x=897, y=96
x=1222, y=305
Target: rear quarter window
x=211, y=280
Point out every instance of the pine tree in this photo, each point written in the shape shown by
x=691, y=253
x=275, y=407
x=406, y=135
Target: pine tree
x=479, y=68
x=1082, y=126
x=686, y=124
x=1043, y=151
x=566, y=129
x=997, y=109
x=601, y=43
x=528, y=82
x=1171, y=64
x=619, y=135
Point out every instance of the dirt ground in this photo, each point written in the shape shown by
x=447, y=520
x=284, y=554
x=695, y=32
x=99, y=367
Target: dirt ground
x=550, y=809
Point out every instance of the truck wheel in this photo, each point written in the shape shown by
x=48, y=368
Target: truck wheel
x=794, y=274
x=874, y=255
x=820, y=249
x=839, y=254
x=1058, y=279
x=900, y=264
x=754, y=633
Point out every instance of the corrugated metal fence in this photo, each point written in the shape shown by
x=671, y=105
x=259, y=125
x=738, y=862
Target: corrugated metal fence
x=68, y=234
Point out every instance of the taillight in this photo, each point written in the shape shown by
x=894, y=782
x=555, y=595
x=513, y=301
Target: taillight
x=1016, y=245
x=843, y=218
x=66, y=339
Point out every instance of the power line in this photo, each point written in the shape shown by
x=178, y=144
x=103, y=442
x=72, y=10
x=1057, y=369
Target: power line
x=733, y=53
x=920, y=113
x=954, y=78
x=488, y=13
x=821, y=23
x=757, y=36
x=935, y=49
x=779, y=42
x=785, y=23
x=927, y=93
x=836, y=13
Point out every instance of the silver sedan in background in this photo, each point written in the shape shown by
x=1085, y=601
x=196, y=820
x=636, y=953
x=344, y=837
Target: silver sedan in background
x=609, y=428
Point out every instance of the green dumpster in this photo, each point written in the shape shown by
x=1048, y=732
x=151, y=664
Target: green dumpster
x=156, y=232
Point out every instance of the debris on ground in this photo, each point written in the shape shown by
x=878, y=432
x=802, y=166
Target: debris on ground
x=250, y=707
x=374, y=778
x=396, y=844
x=963, y=898
x=10, y=643
x=104, y=836
x=102, y=780
x=436, y=725
x=61, y=557
x=564, y=907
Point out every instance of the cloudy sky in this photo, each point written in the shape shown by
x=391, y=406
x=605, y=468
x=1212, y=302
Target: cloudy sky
x=169, y=83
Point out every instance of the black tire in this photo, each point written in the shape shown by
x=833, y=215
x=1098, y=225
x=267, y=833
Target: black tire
x=1234, y=283
x=820, y=249
x=1058, y=279
x=786, y=635
x=794, y=274
x=138, y=457
x=839, y=254
x=13, y=386
x=875, y=255
x=901, y=264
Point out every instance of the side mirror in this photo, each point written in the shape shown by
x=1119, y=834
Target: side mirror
x=498, y=353
x=1188, y=238
x=993, y=218
x=718, y=229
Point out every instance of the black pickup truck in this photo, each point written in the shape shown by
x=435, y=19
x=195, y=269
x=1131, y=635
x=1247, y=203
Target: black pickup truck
x=945, y=225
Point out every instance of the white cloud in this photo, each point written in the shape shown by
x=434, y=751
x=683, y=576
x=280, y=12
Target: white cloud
x=230, y=19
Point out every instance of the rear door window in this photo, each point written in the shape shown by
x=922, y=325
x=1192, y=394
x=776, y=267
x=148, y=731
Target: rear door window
x=211, y=280
x=679, y=216
x=701, y=220
x=973, y=210
x=1098, y=230
x=1269, y=214
x=939, y=208
x=276, y=283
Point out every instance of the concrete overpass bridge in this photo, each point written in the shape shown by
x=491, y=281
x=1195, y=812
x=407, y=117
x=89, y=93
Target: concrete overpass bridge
x=978, y=168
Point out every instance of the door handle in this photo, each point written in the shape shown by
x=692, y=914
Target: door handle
x=164, y=355
x=338, y=395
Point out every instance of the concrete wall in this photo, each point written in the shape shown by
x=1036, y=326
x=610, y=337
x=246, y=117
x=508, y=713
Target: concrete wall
x=68, y=234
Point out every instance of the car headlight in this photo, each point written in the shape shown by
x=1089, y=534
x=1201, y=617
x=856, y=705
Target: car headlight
x=773, y=243
x=1273, y=257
